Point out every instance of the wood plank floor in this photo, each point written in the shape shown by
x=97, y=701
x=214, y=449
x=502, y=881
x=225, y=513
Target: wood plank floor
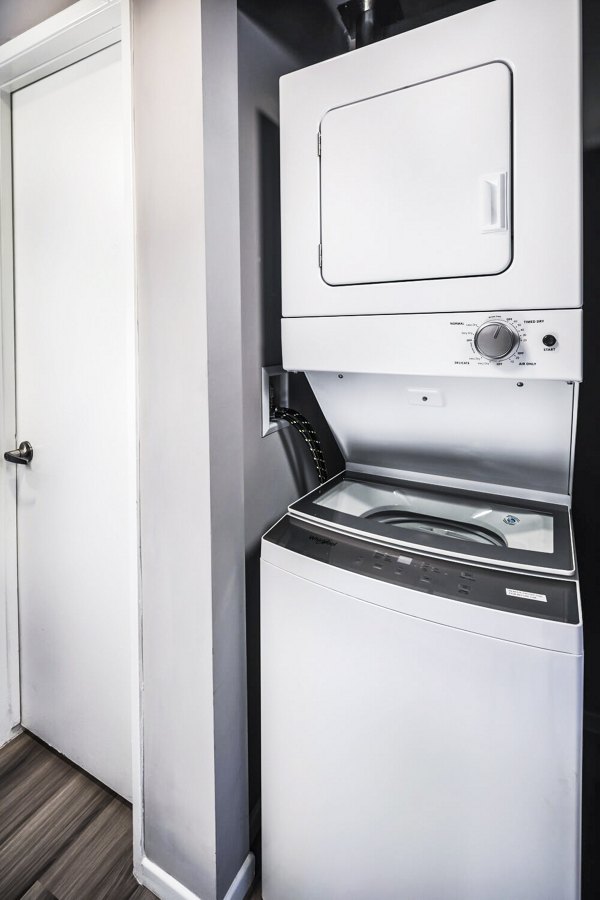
x=63, y=836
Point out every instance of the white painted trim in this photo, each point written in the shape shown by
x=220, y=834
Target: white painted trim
x=161, y=883
x=10, y=701
x=136, y=611
x=243, y=880
x=168, y=888
x=78, y=31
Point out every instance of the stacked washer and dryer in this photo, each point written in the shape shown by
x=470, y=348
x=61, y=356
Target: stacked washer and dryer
x=421, y=621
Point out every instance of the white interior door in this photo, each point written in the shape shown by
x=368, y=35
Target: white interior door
x=415, y=183
x=74, y=363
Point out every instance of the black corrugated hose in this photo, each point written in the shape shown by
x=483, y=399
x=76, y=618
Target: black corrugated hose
x=309, y=436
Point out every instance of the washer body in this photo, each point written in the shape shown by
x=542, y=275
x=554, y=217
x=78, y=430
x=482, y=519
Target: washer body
x=418, y=741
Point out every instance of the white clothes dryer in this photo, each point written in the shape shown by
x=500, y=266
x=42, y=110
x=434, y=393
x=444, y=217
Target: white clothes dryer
x=437, y=170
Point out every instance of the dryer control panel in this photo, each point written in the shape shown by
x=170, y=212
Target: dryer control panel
x=505, y=339
x=544, y=344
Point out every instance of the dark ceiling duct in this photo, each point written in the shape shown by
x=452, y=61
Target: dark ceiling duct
x=366, y=21
x=310, y=29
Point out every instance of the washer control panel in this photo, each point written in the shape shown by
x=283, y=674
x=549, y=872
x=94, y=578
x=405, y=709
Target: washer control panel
x=539, y=596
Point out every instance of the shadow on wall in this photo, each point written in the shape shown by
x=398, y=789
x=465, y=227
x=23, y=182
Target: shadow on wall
x=586, y=492
x=587, y=471
x=301, y=398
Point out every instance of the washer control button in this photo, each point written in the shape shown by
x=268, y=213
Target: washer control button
x=549, y=340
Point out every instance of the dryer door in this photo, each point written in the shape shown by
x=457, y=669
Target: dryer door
x=415, y=183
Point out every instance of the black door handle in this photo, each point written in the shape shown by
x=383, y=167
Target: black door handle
x=23, y=455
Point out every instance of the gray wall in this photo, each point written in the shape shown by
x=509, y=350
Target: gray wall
x=191, y=453
x=17, y=16
x=190, y=421
x=277, y=468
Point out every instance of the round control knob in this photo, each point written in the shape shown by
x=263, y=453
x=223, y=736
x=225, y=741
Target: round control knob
x=496, y=340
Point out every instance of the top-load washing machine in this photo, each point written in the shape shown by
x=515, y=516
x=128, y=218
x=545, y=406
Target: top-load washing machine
x=421, y=696
x=421, y=626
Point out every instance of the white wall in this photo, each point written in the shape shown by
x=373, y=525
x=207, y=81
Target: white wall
x=191, y=491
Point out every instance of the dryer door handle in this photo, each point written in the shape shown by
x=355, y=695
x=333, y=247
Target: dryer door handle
x=494, y=205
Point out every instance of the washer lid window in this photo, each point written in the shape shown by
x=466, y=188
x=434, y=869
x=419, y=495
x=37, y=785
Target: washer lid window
x=487, y=528
x=433, y=525
x=415, y=183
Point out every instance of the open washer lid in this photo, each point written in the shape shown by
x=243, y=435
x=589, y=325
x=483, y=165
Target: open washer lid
x=491, y=430
x=479, y=527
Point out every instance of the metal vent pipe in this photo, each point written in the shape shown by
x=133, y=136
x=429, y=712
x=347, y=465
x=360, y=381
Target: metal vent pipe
x=366, y=20
x=366, y=24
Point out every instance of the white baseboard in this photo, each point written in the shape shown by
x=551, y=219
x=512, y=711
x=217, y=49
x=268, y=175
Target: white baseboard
x=242, y=882
x=168, y=888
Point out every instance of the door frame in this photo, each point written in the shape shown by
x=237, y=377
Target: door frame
x=84, y=28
